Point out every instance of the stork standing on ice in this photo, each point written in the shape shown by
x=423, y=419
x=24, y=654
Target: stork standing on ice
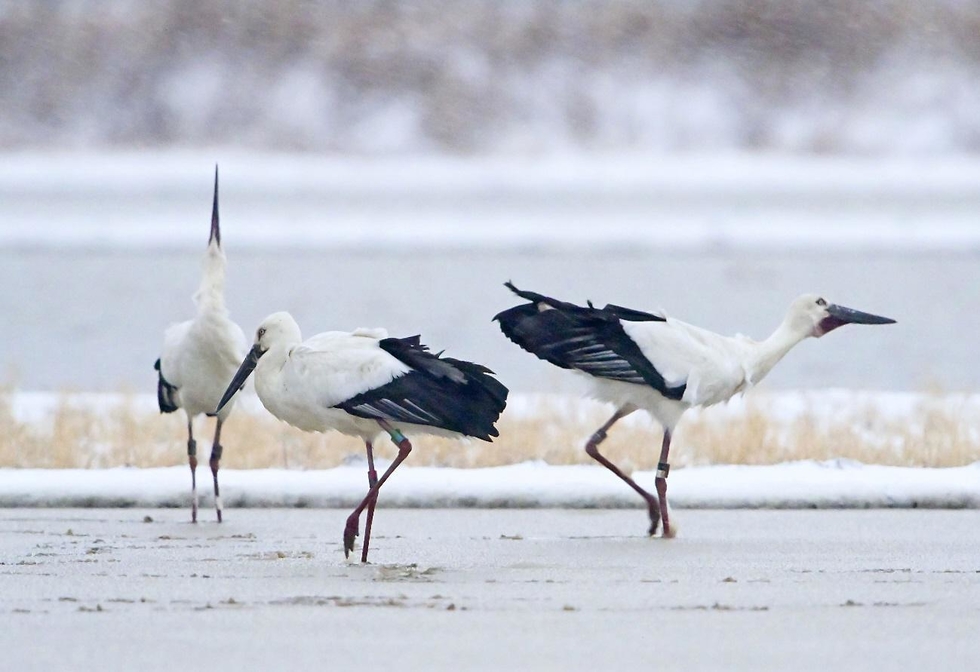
x=200, y=356
x=362, y=383
x=638, y=360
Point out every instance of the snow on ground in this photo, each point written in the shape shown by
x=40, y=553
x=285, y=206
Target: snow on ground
x=782, y=405
x=736, y=201
x=803, y=484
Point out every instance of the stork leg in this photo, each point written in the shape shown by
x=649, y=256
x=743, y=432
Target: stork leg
x=192, y=461
x=372, y=481
x=663, y=468
x=215, y=465
x=592, y=448
x=351, y=529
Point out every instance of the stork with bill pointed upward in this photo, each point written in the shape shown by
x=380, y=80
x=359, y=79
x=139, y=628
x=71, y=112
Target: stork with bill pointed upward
x=200, y=356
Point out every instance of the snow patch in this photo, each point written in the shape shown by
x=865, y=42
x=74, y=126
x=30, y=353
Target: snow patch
x=643, y=202
x=833, y=484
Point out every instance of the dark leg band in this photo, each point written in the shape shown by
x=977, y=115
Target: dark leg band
x=662, y=469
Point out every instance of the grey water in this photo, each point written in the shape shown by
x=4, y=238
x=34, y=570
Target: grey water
x=91, y=318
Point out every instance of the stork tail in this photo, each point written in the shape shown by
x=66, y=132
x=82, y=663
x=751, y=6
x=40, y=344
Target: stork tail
x=166, y=393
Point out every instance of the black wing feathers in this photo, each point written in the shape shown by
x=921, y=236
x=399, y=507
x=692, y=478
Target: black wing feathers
x=165, y=392
x=536, y=298
x=589, y=339
x=438, y=392
x=631, y=315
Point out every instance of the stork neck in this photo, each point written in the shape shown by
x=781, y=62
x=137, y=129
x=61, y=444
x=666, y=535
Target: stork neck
x=768, y=352
x=275, y=357
x=210, y=295
x=268, y=370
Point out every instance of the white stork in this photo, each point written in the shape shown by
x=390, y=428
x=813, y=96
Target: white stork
x=200, y=356
x=638, y=360
x=361, y=383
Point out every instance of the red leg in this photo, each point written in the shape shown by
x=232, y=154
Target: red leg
x=404, y=448
x=215, y=465
x=592, y=448
x=663, y=468
x=372, y=481
x=192, y=461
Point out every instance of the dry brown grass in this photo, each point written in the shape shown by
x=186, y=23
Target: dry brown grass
x=937, y=431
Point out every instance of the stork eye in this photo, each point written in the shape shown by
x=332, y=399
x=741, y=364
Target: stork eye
x=260, y=333
x=821, y=302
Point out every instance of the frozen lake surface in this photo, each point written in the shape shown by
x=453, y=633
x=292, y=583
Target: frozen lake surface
x=490, y=590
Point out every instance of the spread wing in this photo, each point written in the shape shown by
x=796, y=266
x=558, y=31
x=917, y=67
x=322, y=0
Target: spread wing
x=588, y=339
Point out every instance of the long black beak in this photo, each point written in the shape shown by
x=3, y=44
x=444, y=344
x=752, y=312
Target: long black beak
x=839, y=316
x=244, y=371
x=215, y=229
x=851, y=316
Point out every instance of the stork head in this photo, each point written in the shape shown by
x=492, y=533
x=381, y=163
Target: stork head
x=277, y=329
x=813, y=315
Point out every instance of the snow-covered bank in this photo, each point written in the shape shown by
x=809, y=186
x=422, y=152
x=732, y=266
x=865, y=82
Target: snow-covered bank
x=779, y=405
x=881, y=424
x=157, y=200
x=804, y=485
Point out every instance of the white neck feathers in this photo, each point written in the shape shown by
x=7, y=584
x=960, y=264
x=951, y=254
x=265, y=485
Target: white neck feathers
x=210, y=297
x=766, y=354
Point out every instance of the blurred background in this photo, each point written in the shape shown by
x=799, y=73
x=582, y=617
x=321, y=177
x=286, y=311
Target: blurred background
x=393, y=163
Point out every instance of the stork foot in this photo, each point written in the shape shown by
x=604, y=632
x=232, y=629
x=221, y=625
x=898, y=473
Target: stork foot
x=350, y=533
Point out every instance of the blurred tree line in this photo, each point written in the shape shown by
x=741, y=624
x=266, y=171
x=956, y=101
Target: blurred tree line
x=493, y=76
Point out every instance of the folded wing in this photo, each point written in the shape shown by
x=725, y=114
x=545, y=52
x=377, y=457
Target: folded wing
x=432, y=390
